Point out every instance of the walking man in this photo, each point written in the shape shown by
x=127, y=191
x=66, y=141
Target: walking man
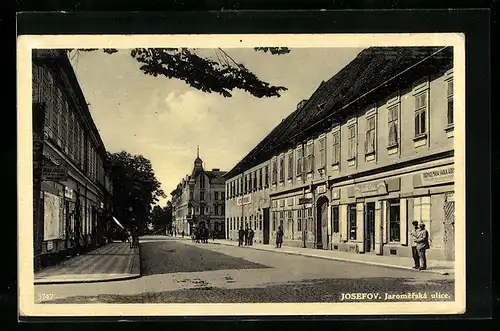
x=422, y=245
x=414, y=251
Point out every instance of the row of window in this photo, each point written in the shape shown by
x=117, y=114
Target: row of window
x=202, y=196
x=304, y=154
x=62, y=125
x=253, y=181
x=296, y=217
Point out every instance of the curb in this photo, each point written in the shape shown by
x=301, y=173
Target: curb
x=340, y=259
x=135, y=272
x=87, y=281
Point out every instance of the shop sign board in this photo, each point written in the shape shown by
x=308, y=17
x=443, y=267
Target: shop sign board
x=370, y=189
x=438, y=176
x=244, y=200
x=305, y=201
x=54, y=173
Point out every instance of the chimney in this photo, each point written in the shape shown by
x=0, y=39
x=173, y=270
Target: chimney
x=301, y=104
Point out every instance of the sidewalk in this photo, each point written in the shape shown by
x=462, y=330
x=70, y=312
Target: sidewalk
x=114, y=261
x=439, y=267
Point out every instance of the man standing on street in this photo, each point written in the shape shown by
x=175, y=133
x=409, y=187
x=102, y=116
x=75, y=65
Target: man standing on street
x=241, y=233
x=422, y=245
x=414, y=251
x=246, y=234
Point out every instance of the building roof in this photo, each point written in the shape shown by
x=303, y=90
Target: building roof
x=375, y=71
x=216, y=176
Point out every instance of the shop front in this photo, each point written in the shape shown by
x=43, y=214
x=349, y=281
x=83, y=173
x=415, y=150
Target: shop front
x=375, y=217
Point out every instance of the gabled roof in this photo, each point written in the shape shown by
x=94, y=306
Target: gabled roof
x=216, y=176
x=375, y=71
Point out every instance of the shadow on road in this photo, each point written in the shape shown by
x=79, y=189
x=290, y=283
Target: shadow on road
x=165, y=257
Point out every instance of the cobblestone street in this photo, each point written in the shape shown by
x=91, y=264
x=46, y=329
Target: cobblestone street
x=182, y=272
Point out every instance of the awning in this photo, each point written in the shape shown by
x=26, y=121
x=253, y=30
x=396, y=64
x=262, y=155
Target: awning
x=116, y=221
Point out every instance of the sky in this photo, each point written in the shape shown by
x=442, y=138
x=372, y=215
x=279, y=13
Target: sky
x=165, y=120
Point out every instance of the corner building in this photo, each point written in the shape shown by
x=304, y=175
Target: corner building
x=371, y=151
x=198, y=201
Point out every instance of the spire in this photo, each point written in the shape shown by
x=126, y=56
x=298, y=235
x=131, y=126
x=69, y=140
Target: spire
x=198, y=151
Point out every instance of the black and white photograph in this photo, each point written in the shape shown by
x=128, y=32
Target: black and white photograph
x=241, y=174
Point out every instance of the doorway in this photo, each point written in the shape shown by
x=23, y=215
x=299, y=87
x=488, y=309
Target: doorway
x=370, y=227
x=265, y=212
x=322, y=223
x=449, y=230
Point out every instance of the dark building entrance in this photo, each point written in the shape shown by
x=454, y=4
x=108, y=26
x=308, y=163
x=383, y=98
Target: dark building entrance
x=322, y=223
x=265, y=212
x=370, y=227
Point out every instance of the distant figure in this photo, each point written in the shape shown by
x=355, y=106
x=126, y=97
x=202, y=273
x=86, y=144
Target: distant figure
x=135, y=238
x=422, y=245
x=182, y=233
x=414, y=250
x=246, y=234
x=279, y=237
x=213, y=235
x=241, y=234
x=251, y=233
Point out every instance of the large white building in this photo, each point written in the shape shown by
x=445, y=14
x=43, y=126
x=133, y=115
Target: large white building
x=369, y=152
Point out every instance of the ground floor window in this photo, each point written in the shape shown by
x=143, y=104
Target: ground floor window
x=394, y=220
x=352, y=221
x=299, y=220
x=335, y=219
x=422, y=212
x=274, y=220
x=310, y=219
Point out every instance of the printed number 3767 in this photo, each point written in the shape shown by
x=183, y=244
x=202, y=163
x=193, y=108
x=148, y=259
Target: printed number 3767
x=45, y=296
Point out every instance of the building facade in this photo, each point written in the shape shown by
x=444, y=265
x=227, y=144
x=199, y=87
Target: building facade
x=371, y=151
x=72, y=190
x=198, y=201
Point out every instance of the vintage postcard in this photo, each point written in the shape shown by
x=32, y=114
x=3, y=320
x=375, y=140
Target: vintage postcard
x=181, y=175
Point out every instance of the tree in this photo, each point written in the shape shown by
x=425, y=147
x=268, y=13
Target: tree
x=207, y=75
x=161, y=218
x=135, y=188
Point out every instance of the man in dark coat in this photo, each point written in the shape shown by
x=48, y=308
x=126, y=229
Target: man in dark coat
x=246, y=234
x=241, y=234
x=422, y=245
x=414, y=251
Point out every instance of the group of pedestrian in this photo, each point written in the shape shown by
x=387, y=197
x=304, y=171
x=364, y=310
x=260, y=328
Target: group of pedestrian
x=133, y=237
x=245, y=236
x=201, y=235
x=420, y=243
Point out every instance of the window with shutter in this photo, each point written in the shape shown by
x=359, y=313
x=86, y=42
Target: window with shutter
x=420, y=114
x=310, y=155
x=393, y=123
x=322, y=154
x=282, y=168
x=290, y=165
x=299, y=158
x=352, y=142
x=370, y=136
x=450, y=102
x=336, y=148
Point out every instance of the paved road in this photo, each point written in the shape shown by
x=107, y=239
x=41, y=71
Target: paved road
x=181, y=272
